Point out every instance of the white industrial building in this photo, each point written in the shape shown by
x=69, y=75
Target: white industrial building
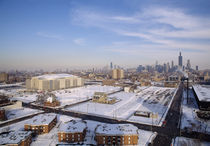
x=54, y=82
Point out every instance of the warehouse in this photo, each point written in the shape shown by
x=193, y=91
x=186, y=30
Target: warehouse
x=52, y=82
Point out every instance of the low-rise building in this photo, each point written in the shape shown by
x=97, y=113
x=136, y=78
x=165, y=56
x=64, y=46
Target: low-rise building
x=101, y=97
x=51, y=101
x=108, y=82
x=4, y=100
x=202, y=96
x=2, y=114
x=72, y=131
x=116, y=134
x=41, y=124
x=15, y=138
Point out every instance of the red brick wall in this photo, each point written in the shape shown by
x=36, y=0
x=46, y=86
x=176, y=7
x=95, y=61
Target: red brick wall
x=120, y=140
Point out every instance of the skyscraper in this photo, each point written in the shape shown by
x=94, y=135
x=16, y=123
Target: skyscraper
x=180, y=59
x=111, y=66
x=188, y=64
x=196, y=68
x=172, y=64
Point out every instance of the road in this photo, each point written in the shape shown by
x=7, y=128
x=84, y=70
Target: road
x=172, y=121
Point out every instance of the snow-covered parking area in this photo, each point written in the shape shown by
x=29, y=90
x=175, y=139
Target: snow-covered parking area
x=74, y=95
x=183, y=141
x=190, y=121
x=153, y=99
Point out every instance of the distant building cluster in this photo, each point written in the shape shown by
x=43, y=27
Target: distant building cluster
x=52, y=82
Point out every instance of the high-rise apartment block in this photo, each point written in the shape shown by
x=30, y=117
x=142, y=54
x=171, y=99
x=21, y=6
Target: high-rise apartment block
x=4, y=77
x=117, y=74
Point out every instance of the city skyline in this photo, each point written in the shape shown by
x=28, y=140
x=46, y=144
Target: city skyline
x=64, y=34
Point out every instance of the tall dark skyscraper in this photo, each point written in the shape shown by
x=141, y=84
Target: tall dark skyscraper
x=180, y=59
x=111, y=66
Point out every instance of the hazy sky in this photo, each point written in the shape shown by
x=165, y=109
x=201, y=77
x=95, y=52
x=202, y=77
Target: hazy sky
x=77, y=33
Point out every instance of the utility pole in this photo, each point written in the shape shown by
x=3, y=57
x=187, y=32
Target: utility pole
x=187, y=90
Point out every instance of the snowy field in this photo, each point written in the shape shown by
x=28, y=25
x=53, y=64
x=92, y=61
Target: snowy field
x=74, y=95
x=152, y=99
x=183, y=141
x=189, y=120
x=66, y=96
x=51, y=139
x=17, y=113
x=19, y=94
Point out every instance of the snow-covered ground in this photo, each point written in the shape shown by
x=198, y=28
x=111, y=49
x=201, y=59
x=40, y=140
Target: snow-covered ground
x=189, y=120
x=51, y=138
x=183, y=141
x=66, y=96
x=19, y=94
x=16, y=113
x=152, y=99
x=74, y=95
x=26, y=97
x=11, y=85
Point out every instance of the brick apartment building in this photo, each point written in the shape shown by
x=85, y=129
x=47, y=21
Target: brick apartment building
x=41, y=124
x=72, y=131
x=116, y=134
x=15, y=138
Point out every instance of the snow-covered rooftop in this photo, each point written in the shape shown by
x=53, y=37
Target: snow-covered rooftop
x=14, y=137
x=203, y=92
x=116, y=129
x=42, y=119
x=54, y=76
x=73, y=126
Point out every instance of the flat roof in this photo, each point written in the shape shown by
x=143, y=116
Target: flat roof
x=116, y=129
x=73, y=126
x=202, y=92
x=54, y=76
x=13, y=137
x=42, y=119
